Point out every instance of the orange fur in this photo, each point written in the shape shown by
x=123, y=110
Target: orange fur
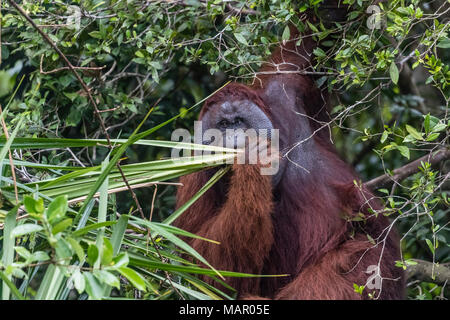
x=245, y=213
x=302, y=225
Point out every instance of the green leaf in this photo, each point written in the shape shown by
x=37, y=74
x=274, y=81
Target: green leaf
x=319, y=52
x=409, y=138
x=433, y=137
x=413, y=132
x=426, y=124
x=176, y=241
x=239, y=37
x=63, y=250
x=107, y=252
x=23, y=252
x=92, y=227
x=61, y=226
x=384, y=136
x=404, y=151
x=95, y=34
x=358, y=289
x=72, y=95
x=108, y=278
x=286, y=34
x=118, y=233
x=411, y=262
x=439, y=127
x=133, y=277
x=93, y=286
x=393, y=72
x=430, y=245
x=39, y=256
x=26, y=228
x=33, y=207
x=57, y=208
x=120, y=261
x=79, y=281
x=92, y=254
x=444, y=43
x=76, y=247
x=140, y=54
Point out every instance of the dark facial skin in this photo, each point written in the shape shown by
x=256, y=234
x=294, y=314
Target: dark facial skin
x=240, y=114
x=285, y=111
x=237, y=115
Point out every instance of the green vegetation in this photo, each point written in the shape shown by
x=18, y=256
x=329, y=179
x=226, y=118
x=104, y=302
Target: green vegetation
x=86, y=195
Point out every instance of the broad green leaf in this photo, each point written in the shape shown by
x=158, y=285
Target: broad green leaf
x=412, y=131
x=107, y=252
x=411, y=262
x=384, y=136
x=404, y=151
x=26, y=228
x=61, y=226
x=57, y=208
x=76, y=247
x=33, y=207
x=121, y=260
x=133, y=277
x=93, y=286
x=108, y=278
x=286, y=34
x=39, y=256
x=63, y=250
x=444, y=43
x=318, y=52
x=23, y=252
x=92, y=254
x=433, y=137
x=439, y=127
x=393, y=72
x=79, y=281
x=239, y=37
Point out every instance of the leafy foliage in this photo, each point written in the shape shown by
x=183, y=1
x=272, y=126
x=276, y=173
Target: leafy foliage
x=385, y=69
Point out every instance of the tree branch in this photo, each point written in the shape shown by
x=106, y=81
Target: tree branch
x=425, y=271
x=408, y=169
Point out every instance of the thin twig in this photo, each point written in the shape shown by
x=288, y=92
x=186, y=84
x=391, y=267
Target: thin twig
x=41, y=70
